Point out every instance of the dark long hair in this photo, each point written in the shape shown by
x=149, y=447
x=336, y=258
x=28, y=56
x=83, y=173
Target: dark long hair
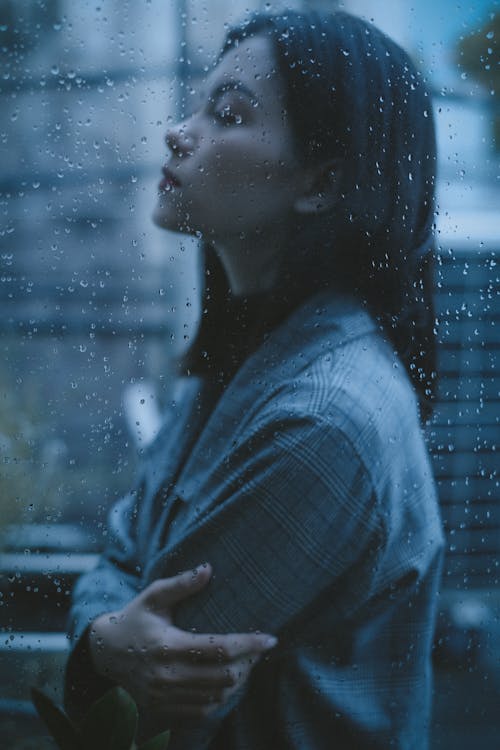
x=352, y=94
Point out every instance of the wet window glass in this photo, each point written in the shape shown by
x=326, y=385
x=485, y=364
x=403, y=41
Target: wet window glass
x=100, y=304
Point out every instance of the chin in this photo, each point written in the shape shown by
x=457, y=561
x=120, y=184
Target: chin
x=170, y=214
x=159, y=220
x=165, y=216
x=169, y=220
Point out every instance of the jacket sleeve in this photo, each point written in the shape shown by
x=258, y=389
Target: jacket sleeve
x=118, y=576
x=113, y=583
x=115, y=580
x=287, y=513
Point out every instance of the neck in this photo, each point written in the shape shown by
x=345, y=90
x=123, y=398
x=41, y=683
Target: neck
x=252, y=263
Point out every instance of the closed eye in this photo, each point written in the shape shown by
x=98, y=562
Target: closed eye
x=227, y=116
x=231, y=104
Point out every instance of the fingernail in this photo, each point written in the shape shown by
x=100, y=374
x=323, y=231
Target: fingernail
x=270, y=642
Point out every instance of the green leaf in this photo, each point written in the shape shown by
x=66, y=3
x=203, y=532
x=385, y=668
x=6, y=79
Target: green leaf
x=160, y=742
x=111, y=722
x=56, y=721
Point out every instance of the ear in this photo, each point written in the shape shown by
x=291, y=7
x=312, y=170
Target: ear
x=321, y=189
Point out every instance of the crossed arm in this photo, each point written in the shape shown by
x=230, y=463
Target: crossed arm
x=293, y=507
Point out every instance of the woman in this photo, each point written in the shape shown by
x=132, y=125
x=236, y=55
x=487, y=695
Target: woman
x=293, y=461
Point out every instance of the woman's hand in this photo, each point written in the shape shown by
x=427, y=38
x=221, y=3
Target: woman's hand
x=172, y=671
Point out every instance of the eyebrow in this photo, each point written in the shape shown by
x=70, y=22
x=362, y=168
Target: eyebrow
x=239, y=86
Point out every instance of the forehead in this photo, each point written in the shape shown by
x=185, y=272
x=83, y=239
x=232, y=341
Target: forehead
x=253, y=63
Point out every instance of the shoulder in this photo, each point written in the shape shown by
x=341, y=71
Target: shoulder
x=355, y=386
x=354, y=413
x=330, y=355
x=327, y=363
x=352, y=409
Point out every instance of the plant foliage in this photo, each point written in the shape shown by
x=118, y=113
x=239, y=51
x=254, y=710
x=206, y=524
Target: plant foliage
x=110, y=724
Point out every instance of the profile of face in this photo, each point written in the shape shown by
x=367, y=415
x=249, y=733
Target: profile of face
x=232, y=169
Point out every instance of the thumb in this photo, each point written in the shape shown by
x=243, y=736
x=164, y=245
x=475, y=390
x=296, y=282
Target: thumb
x=166, y=592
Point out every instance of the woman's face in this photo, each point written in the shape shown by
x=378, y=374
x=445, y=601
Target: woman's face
x=232, y=169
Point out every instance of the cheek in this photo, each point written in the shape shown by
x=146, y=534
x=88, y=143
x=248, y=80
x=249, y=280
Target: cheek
x=247, y=164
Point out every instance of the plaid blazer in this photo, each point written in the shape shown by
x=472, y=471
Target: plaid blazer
x=308, y=488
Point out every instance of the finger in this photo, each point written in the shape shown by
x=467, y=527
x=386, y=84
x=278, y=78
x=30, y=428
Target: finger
x=191, y=711
x=199, y=676
x=162, y=704
x=187, y=696
x=166, y=592
x=220, y=649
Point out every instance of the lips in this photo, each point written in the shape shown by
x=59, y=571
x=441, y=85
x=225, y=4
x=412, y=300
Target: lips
x=169, y=181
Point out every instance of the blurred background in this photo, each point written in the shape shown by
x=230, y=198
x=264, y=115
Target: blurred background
x=96, y=302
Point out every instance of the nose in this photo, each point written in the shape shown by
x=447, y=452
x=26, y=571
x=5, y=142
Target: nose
x=179, y=141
